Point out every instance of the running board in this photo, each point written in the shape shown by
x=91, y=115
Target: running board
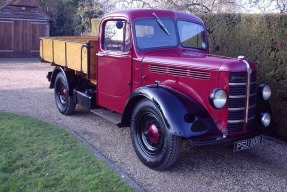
x=108, y=115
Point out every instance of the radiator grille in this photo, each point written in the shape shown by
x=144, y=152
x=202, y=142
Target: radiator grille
x=237, y=101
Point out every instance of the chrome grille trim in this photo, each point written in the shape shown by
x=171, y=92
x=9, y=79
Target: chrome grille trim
x=237, y=96
x=240, y=121
x=252, y=95
x=238, y=101
x=236, y=109
x=237, y=84
x=249, y=71
x=242, y=108
x=236, y=121
x=252, y=106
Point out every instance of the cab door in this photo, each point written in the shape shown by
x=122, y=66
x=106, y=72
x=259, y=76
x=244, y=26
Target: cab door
x=114, y=65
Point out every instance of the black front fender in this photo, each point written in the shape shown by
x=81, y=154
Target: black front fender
x=182, y=115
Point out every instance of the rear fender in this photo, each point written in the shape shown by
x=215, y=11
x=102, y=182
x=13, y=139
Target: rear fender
x=182, y=115
x=68, y=76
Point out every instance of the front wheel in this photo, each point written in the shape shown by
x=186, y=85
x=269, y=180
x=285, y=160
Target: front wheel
x=65, y=103
x=155, y=146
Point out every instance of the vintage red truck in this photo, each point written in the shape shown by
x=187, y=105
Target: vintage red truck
x=151, y=70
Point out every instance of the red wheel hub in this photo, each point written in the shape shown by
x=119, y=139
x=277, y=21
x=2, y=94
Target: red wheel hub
x=152, y=133
x=64, y=92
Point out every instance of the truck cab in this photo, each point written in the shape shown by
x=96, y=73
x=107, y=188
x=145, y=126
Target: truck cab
x=152, y=71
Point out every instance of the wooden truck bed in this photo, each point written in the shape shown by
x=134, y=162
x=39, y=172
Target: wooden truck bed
x=76, y=53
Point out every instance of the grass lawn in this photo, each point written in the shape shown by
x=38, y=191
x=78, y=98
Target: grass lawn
x=37, y=156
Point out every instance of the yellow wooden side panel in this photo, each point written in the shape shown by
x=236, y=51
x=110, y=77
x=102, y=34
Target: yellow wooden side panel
x=71, y=52
x=77, y=56
x=46, y=49
x=59, y=52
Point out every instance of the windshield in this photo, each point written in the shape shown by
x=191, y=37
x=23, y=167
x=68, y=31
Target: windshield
x=152, y=33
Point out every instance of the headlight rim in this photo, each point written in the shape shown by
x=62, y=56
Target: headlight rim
x=262, y=87
x=265, y=118
x=212, y=98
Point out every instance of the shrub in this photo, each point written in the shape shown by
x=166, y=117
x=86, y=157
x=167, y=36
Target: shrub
x=261, y=39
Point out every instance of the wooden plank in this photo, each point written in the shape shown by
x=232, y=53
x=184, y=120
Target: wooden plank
x=46, y=50
x=33, y=36
x=95, y=26
x=18, y=38
x=77, y=56
x=6, y=39
x=38, y=29
x=93, y=59
x=59, y=52
x=76, y=38
x=26, y=39
x=6, y=29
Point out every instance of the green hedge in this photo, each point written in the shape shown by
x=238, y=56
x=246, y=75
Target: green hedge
x=261, y=39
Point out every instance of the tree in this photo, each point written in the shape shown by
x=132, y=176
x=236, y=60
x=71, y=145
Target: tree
x=2, y=2
x=281, y=5
x=266, y=6
x=110, y=5
x=205, y=6
x=62, y=13
x=86, y=10
x=190, y=6
x=71, y=17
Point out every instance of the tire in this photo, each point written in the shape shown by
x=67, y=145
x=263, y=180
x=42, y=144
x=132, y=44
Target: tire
x=64, y=102
x=155, y=146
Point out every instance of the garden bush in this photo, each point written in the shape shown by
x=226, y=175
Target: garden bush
x=262, y=39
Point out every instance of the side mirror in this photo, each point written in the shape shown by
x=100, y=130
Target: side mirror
x=119, y=24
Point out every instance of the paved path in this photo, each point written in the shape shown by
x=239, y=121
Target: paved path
x=24, y=90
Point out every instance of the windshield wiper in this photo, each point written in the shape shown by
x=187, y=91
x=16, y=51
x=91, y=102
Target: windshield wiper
x=161, y=24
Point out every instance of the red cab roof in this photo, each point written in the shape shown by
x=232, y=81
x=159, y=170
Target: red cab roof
x=133, y=14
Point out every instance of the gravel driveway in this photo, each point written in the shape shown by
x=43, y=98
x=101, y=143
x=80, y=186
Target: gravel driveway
x=24, y=90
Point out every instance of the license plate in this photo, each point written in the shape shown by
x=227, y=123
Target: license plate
x=248, y=143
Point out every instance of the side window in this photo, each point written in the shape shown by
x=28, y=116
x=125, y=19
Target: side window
x=116, y=36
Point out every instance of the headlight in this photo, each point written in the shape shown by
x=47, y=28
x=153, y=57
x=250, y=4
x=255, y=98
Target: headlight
x=265, y=119
x=265, y=91
x=218, y=98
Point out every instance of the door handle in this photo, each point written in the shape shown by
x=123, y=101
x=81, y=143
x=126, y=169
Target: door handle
x=100, y=54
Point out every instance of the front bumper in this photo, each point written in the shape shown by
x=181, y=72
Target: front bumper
x=229, y=139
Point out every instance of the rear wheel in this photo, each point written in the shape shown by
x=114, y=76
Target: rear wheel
x=153, y=144
x=65, y=103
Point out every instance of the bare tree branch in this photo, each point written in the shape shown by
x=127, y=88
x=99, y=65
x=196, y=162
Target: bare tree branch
x=282, y=5
x=200, y=6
